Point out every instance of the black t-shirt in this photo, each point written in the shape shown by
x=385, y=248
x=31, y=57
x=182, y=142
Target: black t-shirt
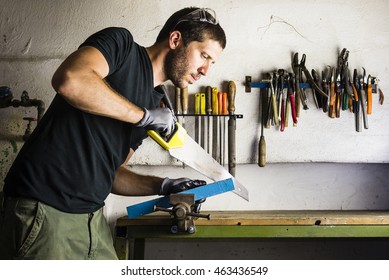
x=70, y=160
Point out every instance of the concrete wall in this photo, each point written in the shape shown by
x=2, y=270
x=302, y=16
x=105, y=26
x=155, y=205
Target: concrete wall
x=322, y=163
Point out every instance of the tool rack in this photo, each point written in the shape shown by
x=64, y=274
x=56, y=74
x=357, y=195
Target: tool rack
x=249, y=84
x=231, y=155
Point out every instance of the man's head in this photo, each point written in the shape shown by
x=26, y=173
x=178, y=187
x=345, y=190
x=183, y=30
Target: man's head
x=196, y=40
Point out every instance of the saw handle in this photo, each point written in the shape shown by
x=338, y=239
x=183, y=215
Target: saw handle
x=175, y=140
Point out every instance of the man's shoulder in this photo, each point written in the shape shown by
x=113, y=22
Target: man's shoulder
x=116, y=31
x=111, y=37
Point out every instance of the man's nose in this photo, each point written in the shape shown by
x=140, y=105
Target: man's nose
x=203, y=70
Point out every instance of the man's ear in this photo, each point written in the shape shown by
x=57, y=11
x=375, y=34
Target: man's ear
x=174, y=39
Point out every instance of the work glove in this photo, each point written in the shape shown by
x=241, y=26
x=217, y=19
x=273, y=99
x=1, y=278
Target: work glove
x=161, y=120
x=169, y=186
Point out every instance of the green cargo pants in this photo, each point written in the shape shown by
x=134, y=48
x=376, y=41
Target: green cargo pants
x=33, y=230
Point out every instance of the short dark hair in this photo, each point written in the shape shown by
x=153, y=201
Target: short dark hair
x=192, y=30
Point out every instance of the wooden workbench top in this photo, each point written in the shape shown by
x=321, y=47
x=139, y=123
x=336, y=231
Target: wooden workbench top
x=256, y=218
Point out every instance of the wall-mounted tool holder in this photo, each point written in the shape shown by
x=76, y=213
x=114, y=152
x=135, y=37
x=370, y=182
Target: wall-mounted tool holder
x=283, y=93
x=211, y=109
x=210, y=133
x=337, y=96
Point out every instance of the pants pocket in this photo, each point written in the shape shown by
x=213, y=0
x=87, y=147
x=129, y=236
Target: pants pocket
x=31, y=235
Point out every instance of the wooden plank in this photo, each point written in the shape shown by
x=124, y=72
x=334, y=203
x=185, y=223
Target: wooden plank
x=252, y=218
x=340, y=231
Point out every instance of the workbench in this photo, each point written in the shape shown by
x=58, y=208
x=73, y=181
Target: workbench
x=131, y=234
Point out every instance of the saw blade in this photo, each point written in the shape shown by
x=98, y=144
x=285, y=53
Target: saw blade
x=182, y=147
x=193, y=155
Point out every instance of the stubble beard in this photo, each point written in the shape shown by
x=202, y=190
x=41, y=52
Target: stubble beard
x=176, y=67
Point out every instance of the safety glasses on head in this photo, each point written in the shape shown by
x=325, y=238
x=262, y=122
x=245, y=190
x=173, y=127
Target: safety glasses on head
x=202, y=14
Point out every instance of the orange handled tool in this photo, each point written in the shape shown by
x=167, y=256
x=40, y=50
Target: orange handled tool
x=369, y=96
x=220, y=103
x=225, y=104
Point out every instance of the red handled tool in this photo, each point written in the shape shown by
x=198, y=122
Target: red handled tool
x=292, y=98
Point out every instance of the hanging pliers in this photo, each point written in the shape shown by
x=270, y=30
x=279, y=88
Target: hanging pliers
x=347, y=94
x=362, y=96
x=292, y=96
x=309, y=77
x=317, y=98
x=356, y=101
x=298, y=74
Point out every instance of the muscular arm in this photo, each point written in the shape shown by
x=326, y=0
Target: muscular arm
x=128, y=183
x=79, y=79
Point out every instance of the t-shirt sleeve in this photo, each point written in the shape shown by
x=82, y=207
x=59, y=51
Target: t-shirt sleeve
x=114, y=43
x=137, y=137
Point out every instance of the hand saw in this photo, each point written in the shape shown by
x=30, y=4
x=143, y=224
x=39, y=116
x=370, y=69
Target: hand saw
x=182, y=147
x=199, y=193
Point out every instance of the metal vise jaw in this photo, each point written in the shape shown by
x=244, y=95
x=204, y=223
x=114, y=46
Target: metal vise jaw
x=183, y=213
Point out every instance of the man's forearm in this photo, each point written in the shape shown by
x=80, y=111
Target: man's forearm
x=128, y=183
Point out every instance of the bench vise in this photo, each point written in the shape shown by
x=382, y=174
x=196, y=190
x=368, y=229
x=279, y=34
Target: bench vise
x=185, y=210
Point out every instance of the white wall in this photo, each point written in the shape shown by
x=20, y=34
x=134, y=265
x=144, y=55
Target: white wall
x=262, y=35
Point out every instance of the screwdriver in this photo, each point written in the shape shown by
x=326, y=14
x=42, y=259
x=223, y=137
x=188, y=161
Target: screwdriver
x=231, y=128
x=178, y=101
x=197, y=112
x=184, y=104
x=262, y=142
x=208, y=97
x=202, y=119
x=215, y=112
x=221, y=130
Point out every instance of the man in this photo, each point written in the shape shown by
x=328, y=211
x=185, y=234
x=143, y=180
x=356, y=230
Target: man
x=105, y=103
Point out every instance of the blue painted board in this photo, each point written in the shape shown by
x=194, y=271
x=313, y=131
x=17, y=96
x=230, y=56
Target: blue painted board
x=209, y=190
